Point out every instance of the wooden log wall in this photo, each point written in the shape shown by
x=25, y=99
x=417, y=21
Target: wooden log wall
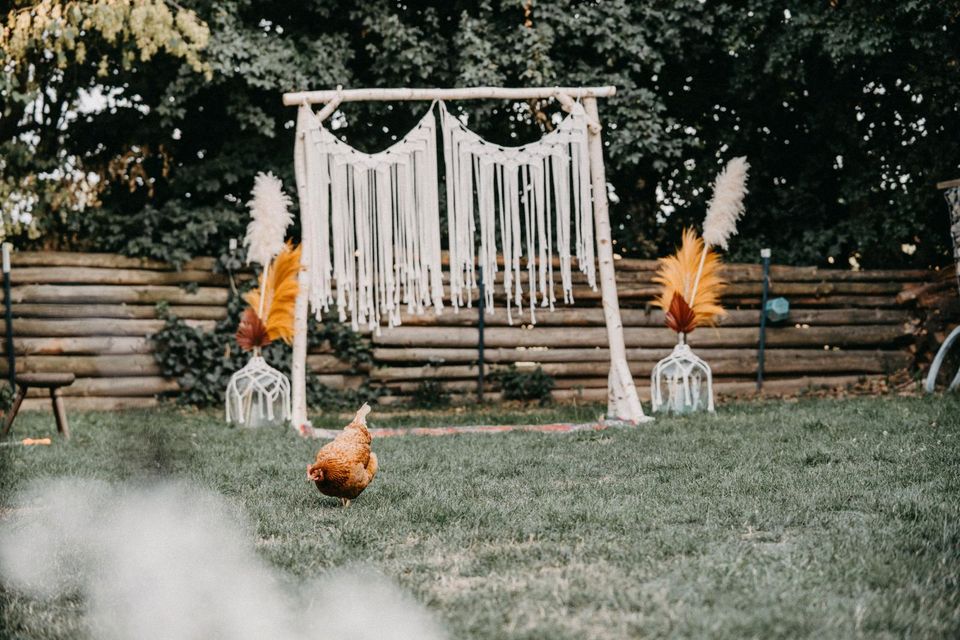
x=93, y=315
x=844, y=328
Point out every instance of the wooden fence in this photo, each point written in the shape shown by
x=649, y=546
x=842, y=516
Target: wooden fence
x=93, y=314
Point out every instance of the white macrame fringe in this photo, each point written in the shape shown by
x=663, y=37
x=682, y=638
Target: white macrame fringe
x=371, y=223
x=379, y=213
x=528, y=202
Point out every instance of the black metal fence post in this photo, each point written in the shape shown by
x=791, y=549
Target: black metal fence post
x=8, y=304
x=765, y=255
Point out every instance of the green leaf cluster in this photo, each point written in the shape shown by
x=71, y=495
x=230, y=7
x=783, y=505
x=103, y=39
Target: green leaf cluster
x=517, y=384
x=430, y=394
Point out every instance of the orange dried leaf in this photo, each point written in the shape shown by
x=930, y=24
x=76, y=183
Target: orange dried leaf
x=285, y=286
x=678, y=273
x=680, y=317
x=281, y=294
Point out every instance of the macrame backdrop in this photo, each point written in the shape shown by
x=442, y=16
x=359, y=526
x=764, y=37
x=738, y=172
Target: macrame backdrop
x=371, y=224
x=371, y=221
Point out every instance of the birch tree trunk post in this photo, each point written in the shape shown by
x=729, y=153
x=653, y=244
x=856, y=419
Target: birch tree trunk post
x=622, y=402
x=298, y=379
x=298, y=373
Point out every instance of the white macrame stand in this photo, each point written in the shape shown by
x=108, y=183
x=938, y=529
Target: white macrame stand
x=623, y=400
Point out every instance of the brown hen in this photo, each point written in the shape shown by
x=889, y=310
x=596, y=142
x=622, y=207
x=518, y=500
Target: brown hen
x=345, y=467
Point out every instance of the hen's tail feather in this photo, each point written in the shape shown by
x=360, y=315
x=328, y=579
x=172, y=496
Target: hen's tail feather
x=361, y=417
x=373, y=465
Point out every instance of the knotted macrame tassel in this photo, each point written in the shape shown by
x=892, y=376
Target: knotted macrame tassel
x=526, y=202
x=373, y=224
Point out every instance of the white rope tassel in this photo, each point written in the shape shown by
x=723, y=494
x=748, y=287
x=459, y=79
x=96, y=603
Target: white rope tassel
x=374, y=225
x=559, y=173
x=530, y=230
x=312, y=184
x=578, y=150
x=506, y=236
x=535, y=193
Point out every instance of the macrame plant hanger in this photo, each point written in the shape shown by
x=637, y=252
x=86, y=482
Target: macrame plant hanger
x=388, y=254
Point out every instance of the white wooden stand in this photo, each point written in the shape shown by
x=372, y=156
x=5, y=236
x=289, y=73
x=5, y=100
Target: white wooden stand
x=624, y=402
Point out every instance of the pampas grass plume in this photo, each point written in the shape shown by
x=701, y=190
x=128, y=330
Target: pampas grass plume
x=726, y=206
x=269, y=219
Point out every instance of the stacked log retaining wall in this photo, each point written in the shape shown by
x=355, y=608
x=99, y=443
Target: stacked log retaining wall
x=93, y=315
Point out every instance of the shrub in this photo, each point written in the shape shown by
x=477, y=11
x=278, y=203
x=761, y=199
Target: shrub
x=6, y=397
x=430, y=394
x=524, y=385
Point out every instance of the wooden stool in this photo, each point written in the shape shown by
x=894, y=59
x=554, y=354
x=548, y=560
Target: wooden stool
x=52, y=381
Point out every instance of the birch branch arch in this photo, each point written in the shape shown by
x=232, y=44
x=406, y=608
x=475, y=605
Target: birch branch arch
x=392, y=198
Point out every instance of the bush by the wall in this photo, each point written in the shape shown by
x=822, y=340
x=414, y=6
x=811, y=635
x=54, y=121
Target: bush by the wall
x=430, y=394
x=524, y=385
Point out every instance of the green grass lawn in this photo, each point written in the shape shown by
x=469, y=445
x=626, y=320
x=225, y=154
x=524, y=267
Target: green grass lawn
x=818, y=518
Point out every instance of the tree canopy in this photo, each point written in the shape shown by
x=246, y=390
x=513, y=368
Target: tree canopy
x=138, y=125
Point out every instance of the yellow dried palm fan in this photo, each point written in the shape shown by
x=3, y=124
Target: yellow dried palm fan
x=677, y=275
x=281, y=294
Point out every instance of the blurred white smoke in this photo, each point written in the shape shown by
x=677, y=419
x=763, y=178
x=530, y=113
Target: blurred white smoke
x=176, y=562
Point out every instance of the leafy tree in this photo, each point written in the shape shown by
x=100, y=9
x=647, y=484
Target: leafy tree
x=847, y=112
x=60, y=59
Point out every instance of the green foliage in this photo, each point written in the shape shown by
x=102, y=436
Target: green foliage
x=174, y=233
x=59, y=58
x=6, y=397
x=203, y=361
x=847, y=112
x=430, y=394
x=524, y=385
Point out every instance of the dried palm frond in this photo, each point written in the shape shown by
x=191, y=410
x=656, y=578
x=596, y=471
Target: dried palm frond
x=726, y=205
x=676, y=272
x=677, y=275
x=680, y=317
x=280, y=296
x=269, y=219
x=252, y=333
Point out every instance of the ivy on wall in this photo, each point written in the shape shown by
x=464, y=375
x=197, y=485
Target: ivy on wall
x=203, y=361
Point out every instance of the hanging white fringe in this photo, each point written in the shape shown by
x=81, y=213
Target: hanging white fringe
x=524, y=199
x=371, y=221
x=380, y=214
